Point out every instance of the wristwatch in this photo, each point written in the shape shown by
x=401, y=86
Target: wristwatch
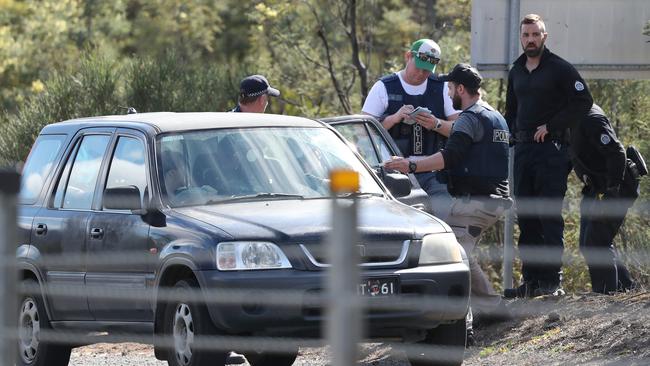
x=412, y=167
x=438, y=124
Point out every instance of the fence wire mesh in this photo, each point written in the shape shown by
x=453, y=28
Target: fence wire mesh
x=312, y=307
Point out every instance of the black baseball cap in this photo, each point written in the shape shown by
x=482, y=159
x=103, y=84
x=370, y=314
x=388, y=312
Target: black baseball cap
x=464, y=74
x=256, y=85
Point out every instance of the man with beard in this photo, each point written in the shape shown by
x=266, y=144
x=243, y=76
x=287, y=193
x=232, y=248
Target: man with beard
x=545, y=95
x=476, y=159
x=394, y=97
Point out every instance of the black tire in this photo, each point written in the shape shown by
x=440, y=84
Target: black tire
x=448, y=343
x=186, y=322
x=271, y=358
x=32, y=321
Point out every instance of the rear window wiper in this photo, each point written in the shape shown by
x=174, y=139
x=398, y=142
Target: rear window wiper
x=257, y=196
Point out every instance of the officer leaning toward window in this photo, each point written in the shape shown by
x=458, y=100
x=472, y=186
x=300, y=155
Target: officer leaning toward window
x=611, y=183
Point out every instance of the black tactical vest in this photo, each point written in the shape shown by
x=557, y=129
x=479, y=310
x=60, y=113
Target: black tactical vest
x=488, y=158
x=414, y=139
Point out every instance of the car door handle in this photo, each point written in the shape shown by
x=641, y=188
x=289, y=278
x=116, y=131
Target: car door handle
x=41, y=229
x=96, y=233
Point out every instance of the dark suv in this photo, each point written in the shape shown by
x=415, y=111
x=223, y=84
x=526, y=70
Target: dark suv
x=181, y=224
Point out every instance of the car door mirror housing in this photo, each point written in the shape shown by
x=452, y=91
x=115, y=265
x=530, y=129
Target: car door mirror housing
x=123, y=198
x=398, y=184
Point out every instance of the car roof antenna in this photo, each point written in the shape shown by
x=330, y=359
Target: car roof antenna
x=130, y=110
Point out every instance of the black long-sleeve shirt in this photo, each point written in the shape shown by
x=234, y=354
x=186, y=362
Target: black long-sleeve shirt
x=553, y=94
x=594, y=146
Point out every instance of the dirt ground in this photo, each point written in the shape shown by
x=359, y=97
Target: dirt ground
x=577, y=329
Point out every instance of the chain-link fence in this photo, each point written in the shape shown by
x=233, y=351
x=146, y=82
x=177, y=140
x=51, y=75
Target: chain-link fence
x=181, y=316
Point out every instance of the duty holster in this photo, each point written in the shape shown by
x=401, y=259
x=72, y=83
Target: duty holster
x=635, y=168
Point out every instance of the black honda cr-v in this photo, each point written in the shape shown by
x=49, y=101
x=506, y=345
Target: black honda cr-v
x=213, y=225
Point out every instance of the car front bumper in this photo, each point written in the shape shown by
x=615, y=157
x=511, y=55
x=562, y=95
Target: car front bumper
x=277, y=302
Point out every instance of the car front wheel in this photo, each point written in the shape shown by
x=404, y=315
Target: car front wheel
x=32, y=321
x=447, y=343
x=188, y=324
x=272, y=358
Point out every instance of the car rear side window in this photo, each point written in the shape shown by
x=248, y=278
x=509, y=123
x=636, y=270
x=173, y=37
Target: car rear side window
x=128, y=165
x=78, y=191
x=39, y=166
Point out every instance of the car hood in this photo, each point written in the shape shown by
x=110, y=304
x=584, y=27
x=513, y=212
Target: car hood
x=289, y=220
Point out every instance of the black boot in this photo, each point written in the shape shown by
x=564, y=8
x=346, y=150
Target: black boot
x=549, y=289
x=526, y=289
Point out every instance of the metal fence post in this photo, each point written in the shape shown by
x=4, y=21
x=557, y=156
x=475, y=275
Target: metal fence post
x=9, y=185
x=344, y=320
x=509, y=224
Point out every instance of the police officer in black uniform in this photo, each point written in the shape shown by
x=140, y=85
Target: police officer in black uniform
x=476, y=158
x=545, y=94
x=610, y=187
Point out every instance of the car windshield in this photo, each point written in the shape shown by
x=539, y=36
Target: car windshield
x=225, y=165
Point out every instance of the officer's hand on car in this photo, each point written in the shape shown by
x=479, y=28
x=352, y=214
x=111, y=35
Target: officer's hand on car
x=540, y=133
x=398, y=163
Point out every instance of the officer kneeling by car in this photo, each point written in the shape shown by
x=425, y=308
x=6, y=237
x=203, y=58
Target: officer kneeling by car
x=476, y=161
x=611, y=184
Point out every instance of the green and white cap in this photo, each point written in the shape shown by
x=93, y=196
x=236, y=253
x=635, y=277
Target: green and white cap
x=426, y=54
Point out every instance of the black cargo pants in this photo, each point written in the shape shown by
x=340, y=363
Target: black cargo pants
x=540, y=182
x=600, y=219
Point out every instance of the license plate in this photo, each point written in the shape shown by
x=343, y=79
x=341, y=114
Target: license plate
x=378, y=287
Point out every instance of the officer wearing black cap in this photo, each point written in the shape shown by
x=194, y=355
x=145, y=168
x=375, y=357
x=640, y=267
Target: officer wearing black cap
x=253, y=94
x=476, y=158
x=610, y=188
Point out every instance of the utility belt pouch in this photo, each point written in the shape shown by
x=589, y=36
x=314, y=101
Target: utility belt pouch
x=630, y=184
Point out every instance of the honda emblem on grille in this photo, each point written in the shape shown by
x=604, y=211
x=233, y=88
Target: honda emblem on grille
x=362, y=250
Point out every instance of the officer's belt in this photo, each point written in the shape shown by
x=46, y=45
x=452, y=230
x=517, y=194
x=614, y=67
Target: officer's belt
x=528, y=136
x=491, y=202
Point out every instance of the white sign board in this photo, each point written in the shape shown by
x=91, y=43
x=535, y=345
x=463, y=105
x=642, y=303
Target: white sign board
x=603, y=39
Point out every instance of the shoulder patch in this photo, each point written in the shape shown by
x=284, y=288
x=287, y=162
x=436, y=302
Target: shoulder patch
x=579, y=86
x=605, y=139
x=500, y=136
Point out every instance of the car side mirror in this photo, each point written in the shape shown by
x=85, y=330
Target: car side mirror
x=124, y=198
x=398, y=184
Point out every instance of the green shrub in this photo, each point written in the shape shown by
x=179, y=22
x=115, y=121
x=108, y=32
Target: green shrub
x=172, y=84
x=91, y=90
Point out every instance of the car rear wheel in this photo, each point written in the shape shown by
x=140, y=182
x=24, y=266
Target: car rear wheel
x=447, y=343
x=272, y=358
x=32, y=320
x=186, y=326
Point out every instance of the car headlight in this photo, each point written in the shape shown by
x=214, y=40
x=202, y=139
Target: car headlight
x=439, y=249
x=250, y=255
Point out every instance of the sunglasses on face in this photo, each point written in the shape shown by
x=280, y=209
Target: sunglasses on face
x=426, y=57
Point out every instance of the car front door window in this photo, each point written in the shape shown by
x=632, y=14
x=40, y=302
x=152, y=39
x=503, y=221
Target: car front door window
x=128, y=165
x=357, y=134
